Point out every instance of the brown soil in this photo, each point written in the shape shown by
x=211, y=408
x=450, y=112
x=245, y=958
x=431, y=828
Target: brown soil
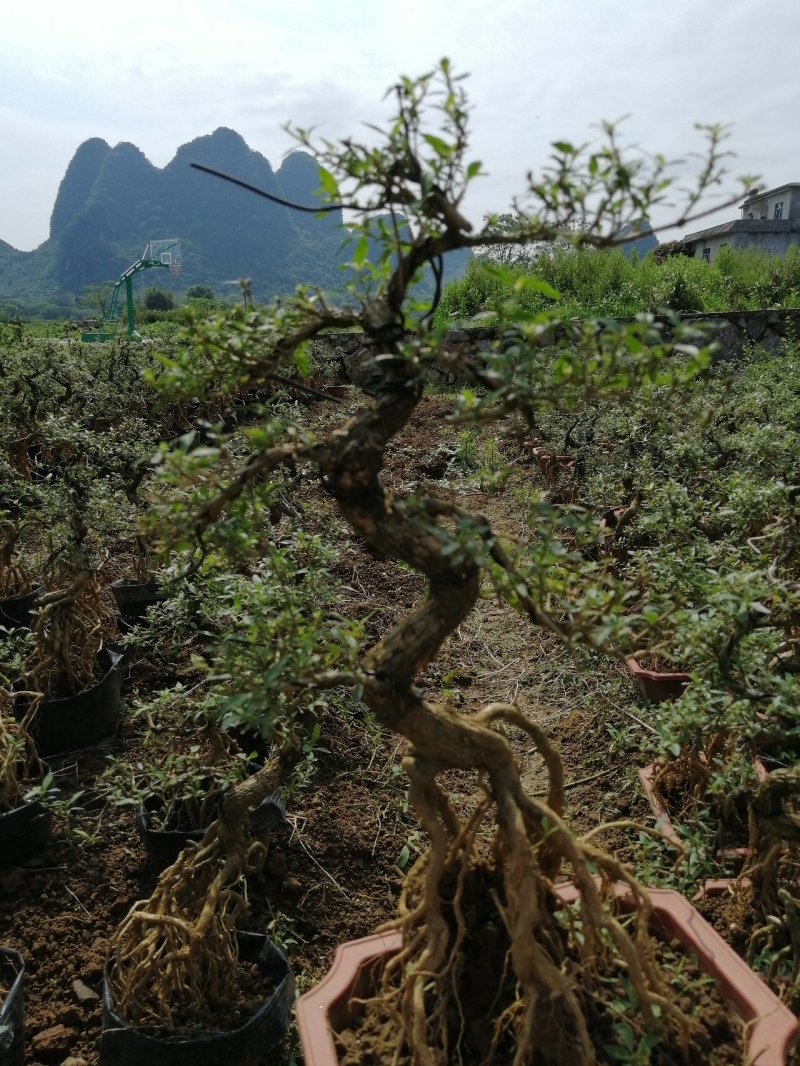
x=336, y=863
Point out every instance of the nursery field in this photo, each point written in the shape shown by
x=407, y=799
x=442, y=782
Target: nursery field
x=686, y=500
x=491, y=647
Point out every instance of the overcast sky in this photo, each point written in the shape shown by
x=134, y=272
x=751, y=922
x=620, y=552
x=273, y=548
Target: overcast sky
x=159, y=73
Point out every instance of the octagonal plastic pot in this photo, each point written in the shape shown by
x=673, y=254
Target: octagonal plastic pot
x=658, y=686
x=664, y=823
x=772, y=1028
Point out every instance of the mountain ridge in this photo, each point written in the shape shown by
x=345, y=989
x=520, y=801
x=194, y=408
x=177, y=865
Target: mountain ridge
x=112, y=200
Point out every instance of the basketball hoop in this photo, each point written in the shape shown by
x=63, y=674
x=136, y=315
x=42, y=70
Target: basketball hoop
x=165, y=253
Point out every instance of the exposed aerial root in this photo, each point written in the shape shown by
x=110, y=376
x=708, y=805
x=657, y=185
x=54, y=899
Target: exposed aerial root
x=175, y=954
x=529, y=842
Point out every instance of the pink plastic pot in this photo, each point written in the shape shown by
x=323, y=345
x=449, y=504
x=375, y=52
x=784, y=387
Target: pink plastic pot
x=658, y=686
x=327, y=1008
x=773, y=1029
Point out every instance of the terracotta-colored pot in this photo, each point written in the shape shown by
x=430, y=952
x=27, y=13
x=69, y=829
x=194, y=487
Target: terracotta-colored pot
x=718, y=886
x=550, y=464
x=658, y=686
x=647, y=776
x=327, y=1007
x=773, y=1029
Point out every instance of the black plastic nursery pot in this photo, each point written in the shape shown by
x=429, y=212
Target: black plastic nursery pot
x=12, y=1009
x=163, y=846
x=126, y=1045
x=24, y=831
x=134, y=597
x=17, y=611
x=82, y=720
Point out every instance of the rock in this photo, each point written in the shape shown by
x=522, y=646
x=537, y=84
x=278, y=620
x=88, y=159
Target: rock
x=51, y=1045
x=83, y=992
x=72, y=1061
x=69, y=1016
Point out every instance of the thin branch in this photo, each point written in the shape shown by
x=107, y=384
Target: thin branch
x=271, y=196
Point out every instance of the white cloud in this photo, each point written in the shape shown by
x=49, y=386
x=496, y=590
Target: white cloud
x=168, y=71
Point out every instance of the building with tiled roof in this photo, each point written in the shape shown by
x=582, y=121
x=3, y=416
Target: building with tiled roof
x=770, y=221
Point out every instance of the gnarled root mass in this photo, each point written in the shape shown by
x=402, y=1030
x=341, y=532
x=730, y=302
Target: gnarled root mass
x=69, y=629
x=491, y=969
x=175, y=955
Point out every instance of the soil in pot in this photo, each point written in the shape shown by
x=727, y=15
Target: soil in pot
x=247, y=1031
x=78, y=721
x=12, y=1008
x=734, y=908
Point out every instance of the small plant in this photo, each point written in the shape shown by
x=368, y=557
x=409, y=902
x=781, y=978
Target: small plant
x=183, y=791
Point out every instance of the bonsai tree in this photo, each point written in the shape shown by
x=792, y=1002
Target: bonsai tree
x=175, y=952
x=75, y=615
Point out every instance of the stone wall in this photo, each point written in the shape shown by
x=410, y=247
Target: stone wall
x=343, y=357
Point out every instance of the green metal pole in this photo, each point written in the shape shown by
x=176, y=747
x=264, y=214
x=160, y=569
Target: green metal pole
x=129, y=299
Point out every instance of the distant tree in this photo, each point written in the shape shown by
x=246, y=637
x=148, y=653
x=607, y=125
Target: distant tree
x=157, y=300
x=96, y=296
x=524, y=252
x=200, y=292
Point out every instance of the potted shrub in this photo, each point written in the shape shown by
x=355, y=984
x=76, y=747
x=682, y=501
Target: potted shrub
x=177, y=797
x=18, y=593
x=139, y=589
x=546, y=972
x=25, y=782
x=329, y=1010
x=76, y=674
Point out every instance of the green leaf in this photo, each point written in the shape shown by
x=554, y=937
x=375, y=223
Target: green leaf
x=534, y=284
x=361, y=252
x=327, y=184
x=302, y=359
x=442, y=148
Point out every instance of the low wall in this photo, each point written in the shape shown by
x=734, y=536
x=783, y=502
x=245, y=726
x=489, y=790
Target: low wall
x=347, y=356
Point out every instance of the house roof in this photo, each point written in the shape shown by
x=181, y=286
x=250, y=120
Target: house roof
x=712, y=231
x=743, y=225
x=762, y=194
